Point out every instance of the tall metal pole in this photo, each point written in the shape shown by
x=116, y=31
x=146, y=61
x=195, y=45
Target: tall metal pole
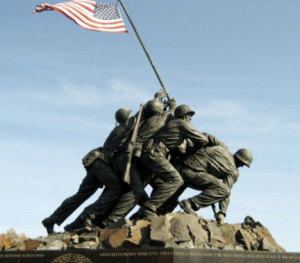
x=144, y=48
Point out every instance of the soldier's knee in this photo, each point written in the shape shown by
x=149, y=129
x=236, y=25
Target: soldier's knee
x=226, y=191
x=180, y=182
x=176, y=182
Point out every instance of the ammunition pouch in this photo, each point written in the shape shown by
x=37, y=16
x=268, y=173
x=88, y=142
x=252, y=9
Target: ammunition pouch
x=95, y=154
x=156, y=148
x=91, y=156
x=105, y=156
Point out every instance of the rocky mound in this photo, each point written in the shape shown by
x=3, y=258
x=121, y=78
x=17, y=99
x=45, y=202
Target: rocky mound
x=177, y=230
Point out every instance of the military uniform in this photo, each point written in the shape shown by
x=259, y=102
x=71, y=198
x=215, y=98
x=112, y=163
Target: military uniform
x=155, y=157
x=99, y=174
x=211, y=170
x=140, y=176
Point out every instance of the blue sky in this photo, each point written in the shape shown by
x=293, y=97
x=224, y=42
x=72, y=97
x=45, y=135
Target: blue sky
x=236, y=63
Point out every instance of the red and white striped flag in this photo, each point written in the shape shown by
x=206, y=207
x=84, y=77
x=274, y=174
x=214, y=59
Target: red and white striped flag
x=103, y=17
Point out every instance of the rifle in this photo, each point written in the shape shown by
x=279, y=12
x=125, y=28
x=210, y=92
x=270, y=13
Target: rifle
x=131, y=145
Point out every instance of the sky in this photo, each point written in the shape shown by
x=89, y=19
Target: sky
x=236, y=63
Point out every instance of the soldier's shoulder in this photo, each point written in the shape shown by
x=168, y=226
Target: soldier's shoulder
x=180, y=122
x=132, y=120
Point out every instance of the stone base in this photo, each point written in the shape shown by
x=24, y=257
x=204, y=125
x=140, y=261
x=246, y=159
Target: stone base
x=154, y=255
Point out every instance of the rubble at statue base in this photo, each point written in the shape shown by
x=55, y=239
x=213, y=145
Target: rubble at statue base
x=176, y=230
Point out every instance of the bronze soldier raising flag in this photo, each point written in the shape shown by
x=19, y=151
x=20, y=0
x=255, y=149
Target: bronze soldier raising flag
x=100, y=172
x=212, y=170
x=156, y=157
x=200, y=171
x=157, y=146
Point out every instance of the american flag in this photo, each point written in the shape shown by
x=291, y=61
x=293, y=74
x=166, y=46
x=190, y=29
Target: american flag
x=103, y=17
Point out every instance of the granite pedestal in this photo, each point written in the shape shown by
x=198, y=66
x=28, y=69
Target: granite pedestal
x=154, y=255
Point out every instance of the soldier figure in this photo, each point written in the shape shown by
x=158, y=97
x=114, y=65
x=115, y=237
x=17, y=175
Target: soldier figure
x=155, y=117
x=156, y=155
x=212, y=170
x=134, y=191
x=170, y=152
x=99, y=173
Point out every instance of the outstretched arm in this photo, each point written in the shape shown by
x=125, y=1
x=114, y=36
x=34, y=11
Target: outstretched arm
x=223, y=205
x=214, y=141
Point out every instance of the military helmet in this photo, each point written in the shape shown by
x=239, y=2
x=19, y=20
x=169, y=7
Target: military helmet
x=182, y=110
x=153, y=107
x=245, y=156
x=122, y=115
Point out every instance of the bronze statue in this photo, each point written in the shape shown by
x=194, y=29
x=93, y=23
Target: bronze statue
x=99, y=174
x=117, y=144
x=156, y=114
x=155, y=157
x=212, y=170
x=161, y=147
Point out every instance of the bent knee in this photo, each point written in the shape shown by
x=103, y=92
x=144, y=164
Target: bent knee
x=180, y=182
x=176, y=181
x=226, y=191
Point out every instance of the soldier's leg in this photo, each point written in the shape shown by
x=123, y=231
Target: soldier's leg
x=129, y=199
x=169, y=205
x=88, y=186
x=139, y=179
x=124, y=205
x=167, y=182
x=212, y=189
x=114, y=189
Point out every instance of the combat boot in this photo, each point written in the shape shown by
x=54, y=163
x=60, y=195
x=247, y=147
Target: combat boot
x=76, y=224
x=49, y=225
x=145, y=214
x=186, y=206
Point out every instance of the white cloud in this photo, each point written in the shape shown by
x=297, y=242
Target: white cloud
x=121, y=91
x=116, y=92
x=233, y=115
x=83, y=95
x=221, y=109
x=69, y=107
x=282, y=123
x=271, y=123
x=293, y=126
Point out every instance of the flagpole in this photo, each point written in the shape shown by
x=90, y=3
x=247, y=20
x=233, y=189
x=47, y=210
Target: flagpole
x=144, y=48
